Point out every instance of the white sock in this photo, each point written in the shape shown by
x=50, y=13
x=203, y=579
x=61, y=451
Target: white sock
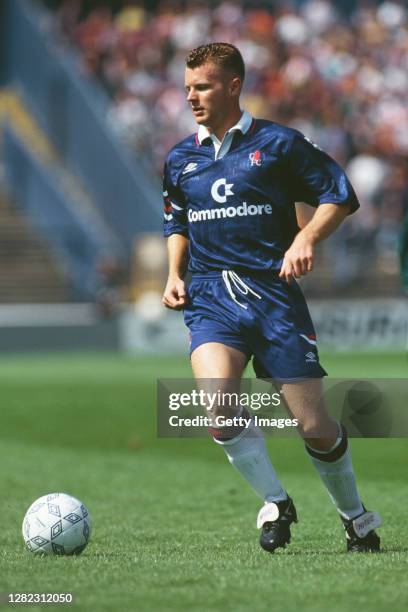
x=247, y=452
x=339, y=479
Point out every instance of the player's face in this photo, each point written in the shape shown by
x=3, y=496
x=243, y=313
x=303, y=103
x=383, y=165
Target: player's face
x=211, y=92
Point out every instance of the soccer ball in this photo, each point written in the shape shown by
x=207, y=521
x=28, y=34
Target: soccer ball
x=57, y=524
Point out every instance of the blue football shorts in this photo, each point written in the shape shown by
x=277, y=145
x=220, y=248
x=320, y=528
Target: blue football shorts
x=261, y=315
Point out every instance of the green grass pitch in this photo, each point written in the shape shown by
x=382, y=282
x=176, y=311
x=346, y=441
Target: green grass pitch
x=174, y=526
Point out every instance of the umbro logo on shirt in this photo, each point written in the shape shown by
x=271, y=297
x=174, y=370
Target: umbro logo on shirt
x=189, y=168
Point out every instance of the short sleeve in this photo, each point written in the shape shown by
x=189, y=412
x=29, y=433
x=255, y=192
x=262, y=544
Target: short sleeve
x=316, y=178
x=175, y=217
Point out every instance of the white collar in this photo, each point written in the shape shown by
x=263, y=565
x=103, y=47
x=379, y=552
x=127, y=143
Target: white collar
x=242, y=125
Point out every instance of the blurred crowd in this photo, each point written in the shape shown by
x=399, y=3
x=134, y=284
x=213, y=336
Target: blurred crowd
x=339, y=77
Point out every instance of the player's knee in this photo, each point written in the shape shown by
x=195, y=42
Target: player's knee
x=224, y=403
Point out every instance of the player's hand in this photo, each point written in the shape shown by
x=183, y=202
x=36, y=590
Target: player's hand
x=298, y=259
x=175, y=296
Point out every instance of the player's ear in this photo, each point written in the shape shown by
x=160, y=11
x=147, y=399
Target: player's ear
x=235, y=86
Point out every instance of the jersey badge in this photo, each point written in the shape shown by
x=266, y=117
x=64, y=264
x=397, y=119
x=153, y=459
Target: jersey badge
x=255, y=158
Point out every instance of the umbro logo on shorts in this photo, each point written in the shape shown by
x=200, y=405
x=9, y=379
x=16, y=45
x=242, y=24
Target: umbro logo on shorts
x=310, y=357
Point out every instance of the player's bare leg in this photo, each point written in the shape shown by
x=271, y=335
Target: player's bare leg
x=216, y=360
x=304, y=401
x=245, y=446
x=218, y=367
x=327, y=445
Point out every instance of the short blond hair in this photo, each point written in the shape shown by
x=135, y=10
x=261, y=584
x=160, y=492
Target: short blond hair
x=222, y=54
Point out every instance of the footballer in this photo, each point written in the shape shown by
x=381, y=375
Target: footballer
x=230, y=219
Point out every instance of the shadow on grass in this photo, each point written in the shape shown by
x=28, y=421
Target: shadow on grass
x=323, y=553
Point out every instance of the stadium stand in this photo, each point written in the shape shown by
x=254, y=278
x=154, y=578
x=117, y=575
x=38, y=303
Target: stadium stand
x=29, y=272
x=64, y=167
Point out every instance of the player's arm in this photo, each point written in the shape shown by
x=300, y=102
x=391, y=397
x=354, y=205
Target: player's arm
x=176, y=232
x=175, y=292
x=299, y=258
x=304, y=213
x=318, y=180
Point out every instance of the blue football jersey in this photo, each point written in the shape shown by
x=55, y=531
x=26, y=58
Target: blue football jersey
x=238, y=211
